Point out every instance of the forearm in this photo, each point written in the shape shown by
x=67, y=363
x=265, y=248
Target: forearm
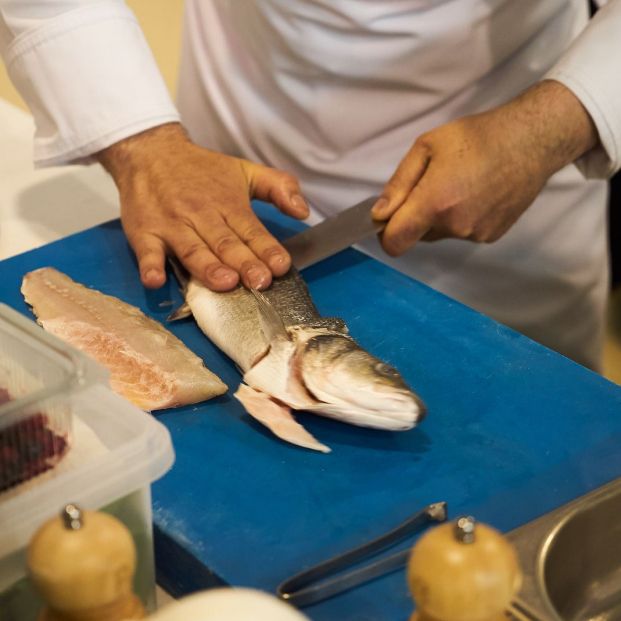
x=126, y=157
x=85, y=70
x=552, y=123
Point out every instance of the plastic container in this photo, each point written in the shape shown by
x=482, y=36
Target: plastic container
x=116, y=452
x=38, y=374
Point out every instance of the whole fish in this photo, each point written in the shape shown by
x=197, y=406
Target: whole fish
x=148, y=365
x=293, y=358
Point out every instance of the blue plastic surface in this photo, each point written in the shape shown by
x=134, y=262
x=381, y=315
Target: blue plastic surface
x=513, y=430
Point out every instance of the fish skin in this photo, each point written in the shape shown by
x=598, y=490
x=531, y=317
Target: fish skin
x=148, y=365
x=231, y=320
x=240, y=337
x=290, y=353
x=277, y=417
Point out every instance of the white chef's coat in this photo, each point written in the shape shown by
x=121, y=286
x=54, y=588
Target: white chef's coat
x=336, y=91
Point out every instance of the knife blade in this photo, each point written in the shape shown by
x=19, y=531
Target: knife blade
x=333, y=234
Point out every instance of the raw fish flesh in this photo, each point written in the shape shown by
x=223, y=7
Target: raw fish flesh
x=148, y=365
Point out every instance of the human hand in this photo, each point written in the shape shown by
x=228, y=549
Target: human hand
x=179, y=198
x=473, y=178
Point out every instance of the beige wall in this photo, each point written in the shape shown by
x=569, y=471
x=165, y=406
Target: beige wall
x=7, y=90
x=161, y=22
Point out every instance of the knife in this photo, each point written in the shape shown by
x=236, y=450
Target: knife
x=333, y=234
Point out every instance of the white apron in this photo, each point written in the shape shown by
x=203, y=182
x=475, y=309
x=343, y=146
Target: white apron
x=336, y=91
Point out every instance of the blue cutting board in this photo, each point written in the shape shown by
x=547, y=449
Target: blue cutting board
x=513, y=431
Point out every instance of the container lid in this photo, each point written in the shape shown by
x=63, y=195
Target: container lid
x=60, y=368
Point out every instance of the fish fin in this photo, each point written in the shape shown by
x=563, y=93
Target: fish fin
x=183, y=277
x=181, y=274
x=239, y=369
x=271, y=322
x=336, y=324
x=277, y=418
x=180, y=313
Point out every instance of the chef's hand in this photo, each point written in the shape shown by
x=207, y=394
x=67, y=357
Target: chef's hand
x=179, y=198
x=473, y=178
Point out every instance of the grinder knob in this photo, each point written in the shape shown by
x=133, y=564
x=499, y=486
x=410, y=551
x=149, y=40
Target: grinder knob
x=83, y=564
x=460, y=571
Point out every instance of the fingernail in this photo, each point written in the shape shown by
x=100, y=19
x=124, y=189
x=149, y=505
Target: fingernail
x=257, y=278
x=221, y=273
x=380, y=206
x=277, y=261
x=299, y=205
x=153, y=278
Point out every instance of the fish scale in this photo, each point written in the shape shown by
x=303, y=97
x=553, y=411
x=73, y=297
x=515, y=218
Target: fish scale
x=291, y=299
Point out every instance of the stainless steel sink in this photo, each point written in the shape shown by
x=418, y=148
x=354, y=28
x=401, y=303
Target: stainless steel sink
x=571, y=559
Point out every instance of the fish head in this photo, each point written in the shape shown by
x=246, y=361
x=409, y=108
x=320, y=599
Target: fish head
x=338, y=372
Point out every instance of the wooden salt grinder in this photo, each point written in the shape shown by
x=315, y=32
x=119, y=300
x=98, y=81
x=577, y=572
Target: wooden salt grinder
x=460, y=571
x=83, y=564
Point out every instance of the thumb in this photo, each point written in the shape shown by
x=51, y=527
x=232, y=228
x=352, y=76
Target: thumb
x=278, y=187
x=408, y=174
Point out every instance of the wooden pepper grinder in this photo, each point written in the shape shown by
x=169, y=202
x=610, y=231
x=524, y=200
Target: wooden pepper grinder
x=83, y=564
x=460, y=571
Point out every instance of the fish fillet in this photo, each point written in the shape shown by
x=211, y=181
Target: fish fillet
x=148, y=365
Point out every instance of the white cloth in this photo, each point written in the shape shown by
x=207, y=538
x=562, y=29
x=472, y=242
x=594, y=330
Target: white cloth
x=586, y=68
x=336, y=91
x=86, y=73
